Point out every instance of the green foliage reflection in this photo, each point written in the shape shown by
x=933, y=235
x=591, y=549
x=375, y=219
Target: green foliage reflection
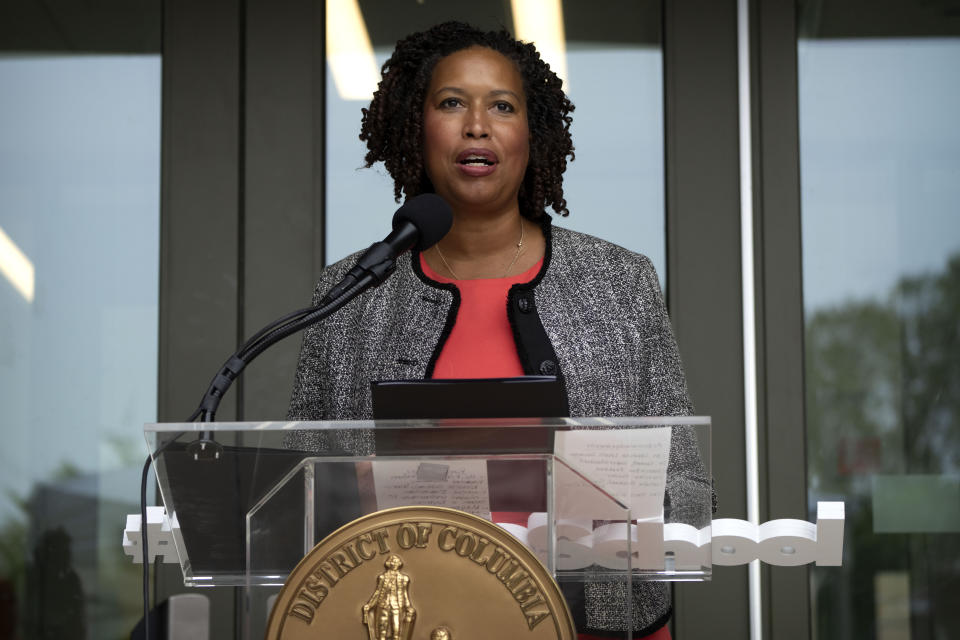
x=883, y=397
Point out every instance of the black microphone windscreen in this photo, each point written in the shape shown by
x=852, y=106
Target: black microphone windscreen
x=430, y=214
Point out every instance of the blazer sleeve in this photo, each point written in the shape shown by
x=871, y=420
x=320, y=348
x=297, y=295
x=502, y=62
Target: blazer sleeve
x=327, y=354
x=311, y=375
x=689, y=493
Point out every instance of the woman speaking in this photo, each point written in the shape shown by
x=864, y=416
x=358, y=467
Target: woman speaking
x=479, y=119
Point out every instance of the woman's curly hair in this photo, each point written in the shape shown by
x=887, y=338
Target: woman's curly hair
x=392, y=126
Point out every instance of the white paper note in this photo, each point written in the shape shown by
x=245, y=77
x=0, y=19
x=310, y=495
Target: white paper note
x=457, y=484
x=630, y=464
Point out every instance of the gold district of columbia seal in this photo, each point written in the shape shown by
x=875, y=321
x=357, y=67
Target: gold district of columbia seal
x=420, y=573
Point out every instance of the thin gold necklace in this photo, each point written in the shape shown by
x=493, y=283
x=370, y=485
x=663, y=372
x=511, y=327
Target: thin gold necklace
x=509, y=266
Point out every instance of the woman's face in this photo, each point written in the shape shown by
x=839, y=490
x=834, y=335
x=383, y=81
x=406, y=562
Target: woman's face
x=476, y=138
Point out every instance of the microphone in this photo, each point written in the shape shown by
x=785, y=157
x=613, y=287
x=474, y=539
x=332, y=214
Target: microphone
x=421, y=222
x=427, y=216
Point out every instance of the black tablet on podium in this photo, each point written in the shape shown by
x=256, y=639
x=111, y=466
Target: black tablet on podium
x=490, y=415
x=478, y=411
x=523, y=397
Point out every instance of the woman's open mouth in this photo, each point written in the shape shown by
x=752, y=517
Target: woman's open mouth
x=477, y=162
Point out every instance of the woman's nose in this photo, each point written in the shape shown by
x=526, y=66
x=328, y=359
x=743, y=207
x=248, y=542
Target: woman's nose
x=476, y=125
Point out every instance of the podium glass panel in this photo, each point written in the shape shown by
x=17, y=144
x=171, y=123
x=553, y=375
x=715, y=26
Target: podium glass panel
x=624, y=499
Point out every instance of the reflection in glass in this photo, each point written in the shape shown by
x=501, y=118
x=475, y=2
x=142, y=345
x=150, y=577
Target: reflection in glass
x=880, y=169
x=79, y=199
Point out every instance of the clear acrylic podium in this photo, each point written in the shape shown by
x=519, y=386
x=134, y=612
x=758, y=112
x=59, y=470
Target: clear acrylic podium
x=626, y=499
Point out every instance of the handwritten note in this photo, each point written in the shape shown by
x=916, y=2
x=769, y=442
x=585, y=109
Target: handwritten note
x=458, y=484
x=630, y=464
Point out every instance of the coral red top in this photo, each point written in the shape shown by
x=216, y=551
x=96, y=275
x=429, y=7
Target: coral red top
x=481, y=345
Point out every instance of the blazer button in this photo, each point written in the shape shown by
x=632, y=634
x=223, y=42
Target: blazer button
x=548, y=367
x=525, y=304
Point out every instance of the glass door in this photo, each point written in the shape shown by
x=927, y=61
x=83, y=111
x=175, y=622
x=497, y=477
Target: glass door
x=879, y=96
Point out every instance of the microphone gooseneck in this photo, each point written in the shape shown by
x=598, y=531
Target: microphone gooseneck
x=421, y=222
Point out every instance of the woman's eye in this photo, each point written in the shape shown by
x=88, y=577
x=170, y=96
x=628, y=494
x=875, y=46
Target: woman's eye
x=449, y=103
x=504, y=107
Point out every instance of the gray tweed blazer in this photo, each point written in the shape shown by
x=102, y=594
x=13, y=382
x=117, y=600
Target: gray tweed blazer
x=602, y=310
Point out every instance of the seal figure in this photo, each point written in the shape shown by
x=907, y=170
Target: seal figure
x=389, y=614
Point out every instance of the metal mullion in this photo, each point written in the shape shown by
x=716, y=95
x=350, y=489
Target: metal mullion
x=704, y=271
x=785, y=590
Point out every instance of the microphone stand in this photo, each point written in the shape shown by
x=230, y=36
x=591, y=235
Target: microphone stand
x=205, y=447
x=420, y=222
